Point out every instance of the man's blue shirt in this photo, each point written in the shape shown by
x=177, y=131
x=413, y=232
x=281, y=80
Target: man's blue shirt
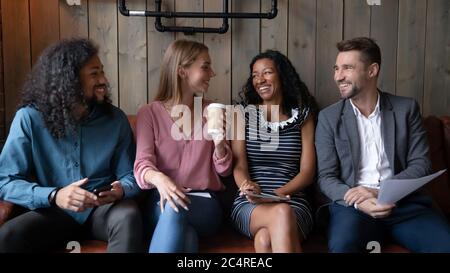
x=33, y=162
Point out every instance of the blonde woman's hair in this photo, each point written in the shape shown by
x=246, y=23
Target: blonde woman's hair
x=180, y=53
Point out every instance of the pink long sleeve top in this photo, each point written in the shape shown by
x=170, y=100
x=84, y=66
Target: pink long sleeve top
x=189, y=163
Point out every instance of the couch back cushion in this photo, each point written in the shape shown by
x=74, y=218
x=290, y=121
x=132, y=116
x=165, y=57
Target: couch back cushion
x=439, y=188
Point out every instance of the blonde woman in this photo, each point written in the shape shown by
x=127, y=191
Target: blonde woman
x=173, y=158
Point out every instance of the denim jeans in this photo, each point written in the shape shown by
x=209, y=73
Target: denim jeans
x=178, y=232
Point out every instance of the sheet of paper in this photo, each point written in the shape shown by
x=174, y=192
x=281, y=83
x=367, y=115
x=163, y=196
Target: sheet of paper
x=201, y=194
x=392, y=190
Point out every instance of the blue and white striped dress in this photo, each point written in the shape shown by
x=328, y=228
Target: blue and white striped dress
x=272, y=164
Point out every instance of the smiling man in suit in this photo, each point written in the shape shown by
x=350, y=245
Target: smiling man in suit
x=364, y=139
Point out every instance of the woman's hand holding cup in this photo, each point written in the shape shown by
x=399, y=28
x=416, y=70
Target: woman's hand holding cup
x=216, y=127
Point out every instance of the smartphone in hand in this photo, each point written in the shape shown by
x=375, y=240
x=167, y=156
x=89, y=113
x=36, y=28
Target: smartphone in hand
x=97, y=191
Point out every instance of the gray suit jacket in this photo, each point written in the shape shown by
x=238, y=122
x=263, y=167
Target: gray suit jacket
x=338, y=147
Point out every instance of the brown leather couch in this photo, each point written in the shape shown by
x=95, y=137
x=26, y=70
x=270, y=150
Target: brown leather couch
x=230, y=241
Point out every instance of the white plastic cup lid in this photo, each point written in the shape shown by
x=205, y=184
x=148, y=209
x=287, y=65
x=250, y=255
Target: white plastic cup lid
x=216, y=105
x=214, y=131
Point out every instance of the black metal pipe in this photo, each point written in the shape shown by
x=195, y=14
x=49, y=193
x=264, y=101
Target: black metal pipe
x=169, y=14
x=123, y=8
x=190, y=30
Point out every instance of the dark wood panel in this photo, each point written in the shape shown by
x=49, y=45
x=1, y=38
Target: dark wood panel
x=302, y=40
x=274, y=32
x=329, y=32
x=157, y=45
x=411, y=49
x=133, y=59
x=2, y=90
x=103, y=30
x=220, y=52
x=246, y=42
x=437, y=61
x=16, y=52
x=189, y=6
x=384, y=29
x=356, y=19
x=44, y=21
x=74, y=19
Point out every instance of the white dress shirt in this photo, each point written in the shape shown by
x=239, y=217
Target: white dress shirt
x=374, y=166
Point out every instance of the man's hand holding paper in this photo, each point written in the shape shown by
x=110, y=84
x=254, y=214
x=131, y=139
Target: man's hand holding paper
x=392, y=190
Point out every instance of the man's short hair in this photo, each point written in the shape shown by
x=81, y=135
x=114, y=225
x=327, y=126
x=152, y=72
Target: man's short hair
x=370, y=51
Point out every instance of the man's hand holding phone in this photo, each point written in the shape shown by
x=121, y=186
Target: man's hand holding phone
x=73, y=197
x=97, y=191
x=109, y=193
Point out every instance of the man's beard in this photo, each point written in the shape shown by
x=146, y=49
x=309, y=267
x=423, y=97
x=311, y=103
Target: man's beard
x=353, y=92
x=89, y=103
x=92, y=101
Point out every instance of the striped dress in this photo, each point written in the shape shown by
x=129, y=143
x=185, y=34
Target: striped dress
x=273, y=157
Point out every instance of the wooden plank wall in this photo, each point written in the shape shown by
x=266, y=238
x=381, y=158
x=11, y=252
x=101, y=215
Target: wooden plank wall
x=437, y=58
x=414, y=36
x=2, y=90
x=16, y=51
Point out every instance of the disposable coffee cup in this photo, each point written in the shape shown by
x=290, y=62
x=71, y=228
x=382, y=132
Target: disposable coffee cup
x=215, y=113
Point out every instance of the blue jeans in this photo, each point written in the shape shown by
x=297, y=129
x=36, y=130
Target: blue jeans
x=412, y=224
x=178, y=232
